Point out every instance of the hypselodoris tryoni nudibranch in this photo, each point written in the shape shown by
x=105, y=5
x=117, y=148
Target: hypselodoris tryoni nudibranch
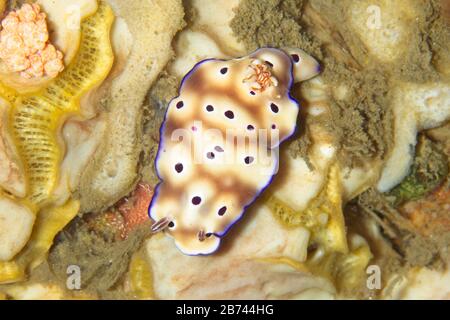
x=219, y=143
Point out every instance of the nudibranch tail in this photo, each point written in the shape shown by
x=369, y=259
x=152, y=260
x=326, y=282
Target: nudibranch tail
x=219, y=143
x=35, y=118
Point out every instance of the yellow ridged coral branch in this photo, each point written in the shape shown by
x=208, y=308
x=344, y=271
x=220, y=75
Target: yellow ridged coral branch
x=35, y=118
x=335, y=261
x=331, y=233
x=34, y=122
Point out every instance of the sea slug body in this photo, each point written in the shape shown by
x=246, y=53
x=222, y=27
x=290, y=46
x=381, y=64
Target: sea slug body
x=220, y=141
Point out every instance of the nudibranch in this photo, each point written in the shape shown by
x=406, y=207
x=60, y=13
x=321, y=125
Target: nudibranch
x=220, y=140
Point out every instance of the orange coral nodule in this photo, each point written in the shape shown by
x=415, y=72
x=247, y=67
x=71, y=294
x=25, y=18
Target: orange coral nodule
x=25, y=46
x=134, y=209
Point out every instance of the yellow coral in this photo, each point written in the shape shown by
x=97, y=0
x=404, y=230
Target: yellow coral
x=141, y=277
x=346, y=271
x=323, y=217
x=36, y=118
x=34, y=121
x=11, y=271
x=49, y=222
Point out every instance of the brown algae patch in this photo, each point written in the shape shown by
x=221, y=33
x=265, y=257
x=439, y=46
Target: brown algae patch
x=360, y=90
x=429, y=170
x=362, y=118
x=271, y=23
x=92, y=243
x=413, y=217
x=158, y=98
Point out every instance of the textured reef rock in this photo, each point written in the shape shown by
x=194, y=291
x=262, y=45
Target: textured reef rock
x=141, y=38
